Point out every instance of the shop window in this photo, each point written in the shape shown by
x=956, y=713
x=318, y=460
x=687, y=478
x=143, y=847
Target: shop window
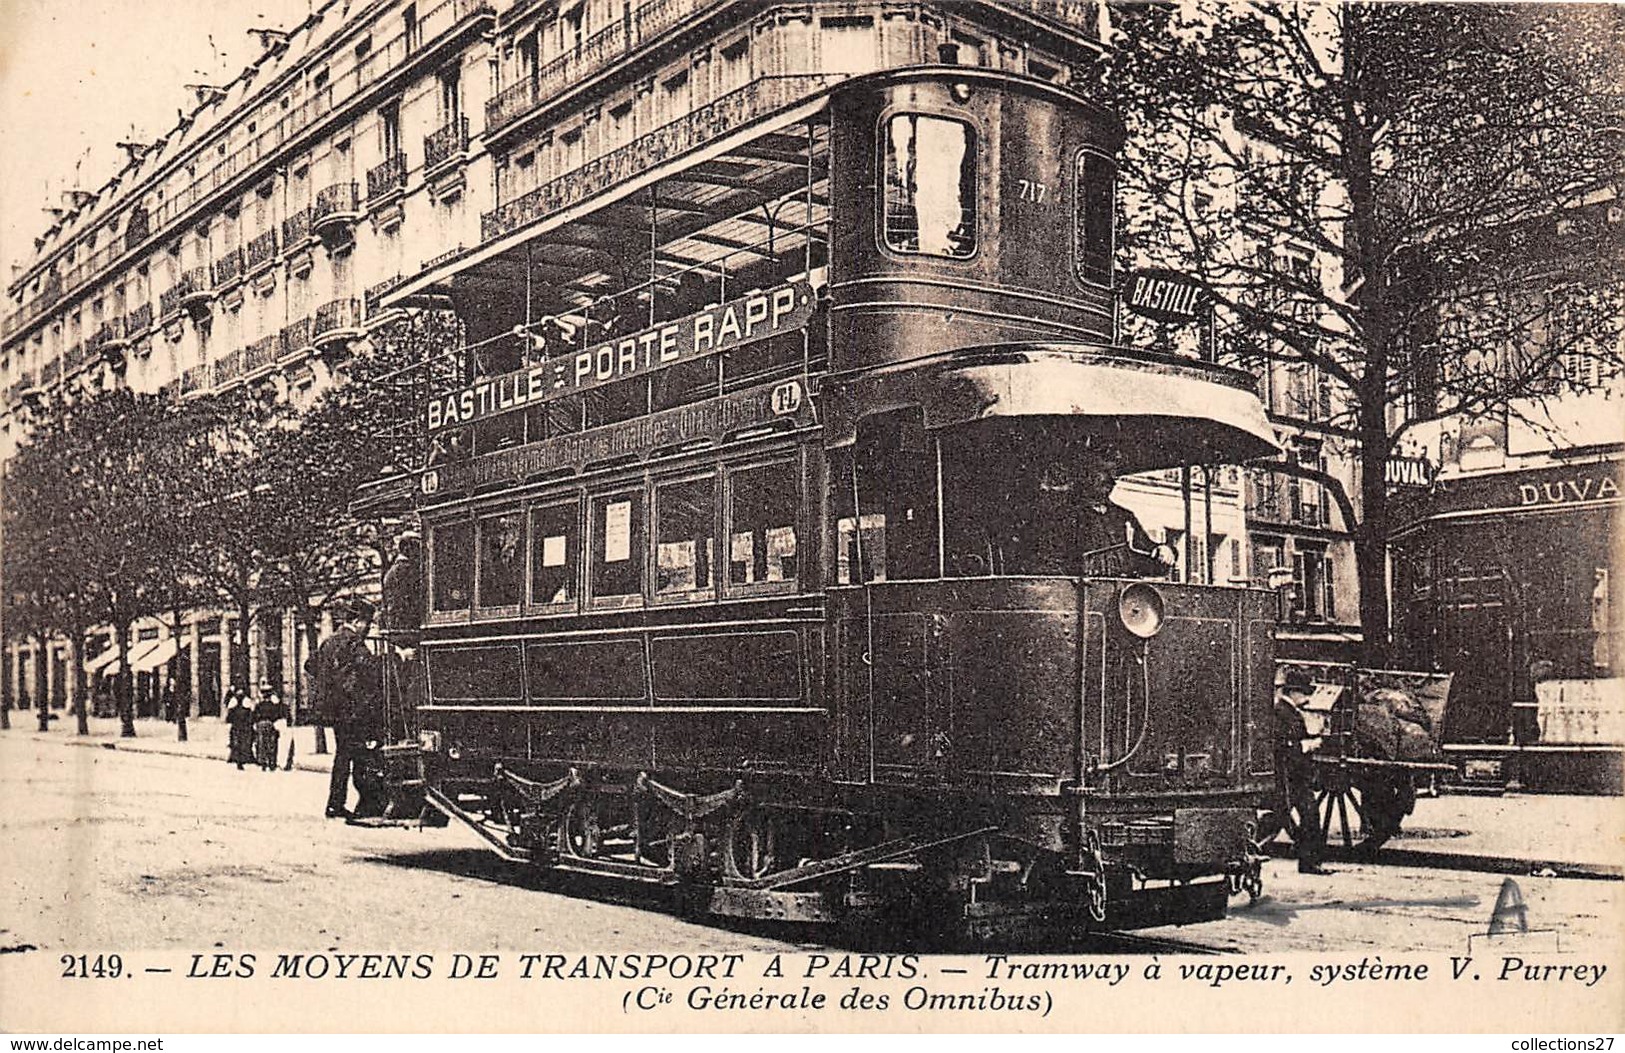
x=1092, y=231
x=762, y=506
x=728, y=667
x=555, y=540
x=502, y=560
x=618, y=546
x=451, y=566
x=930, y=180
x=685, y=550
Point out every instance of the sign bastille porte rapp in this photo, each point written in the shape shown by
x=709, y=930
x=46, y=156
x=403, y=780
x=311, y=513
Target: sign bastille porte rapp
x=741, y=321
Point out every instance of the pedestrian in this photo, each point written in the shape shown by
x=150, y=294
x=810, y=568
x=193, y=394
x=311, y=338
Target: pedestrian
x=346, y=700
x=240, y=722
x=268, y=709
x=1295, y=769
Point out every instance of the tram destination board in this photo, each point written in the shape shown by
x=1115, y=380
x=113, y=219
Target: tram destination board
x=714, y=418
x=745, y=320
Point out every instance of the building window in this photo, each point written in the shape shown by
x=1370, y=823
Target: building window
x=1095, y=177
x=617, y=545
x=389, y=129
x=930, y=176
x=762, y=506
x=414, y=36
x=501, y=580
x=685, y=552
x=555, y=542
x=451, y=95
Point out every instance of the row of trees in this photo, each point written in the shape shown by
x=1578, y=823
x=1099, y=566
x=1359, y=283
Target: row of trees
x=122, y=506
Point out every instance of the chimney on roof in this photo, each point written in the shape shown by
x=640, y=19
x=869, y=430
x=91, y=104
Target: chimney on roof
x=270, y=39
x=135, y=150
x=79, y=198
x=206, y=93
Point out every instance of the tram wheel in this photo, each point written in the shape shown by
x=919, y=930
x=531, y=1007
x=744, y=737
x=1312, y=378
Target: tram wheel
x=751, y=846
x=579, y=832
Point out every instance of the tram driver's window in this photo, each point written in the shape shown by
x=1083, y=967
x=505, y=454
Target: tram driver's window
x=762, y=505
x=892, y=534
x=554, y=542
x=451, y=566
x=930, y=186
x=1092, y=226
x=618, y=542
x=501, y=581
x=685, y=547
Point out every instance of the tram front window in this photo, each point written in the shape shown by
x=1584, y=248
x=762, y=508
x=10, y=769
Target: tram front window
x=890, y=533
x=930, y=179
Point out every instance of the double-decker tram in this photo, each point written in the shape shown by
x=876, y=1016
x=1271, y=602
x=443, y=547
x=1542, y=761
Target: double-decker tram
x=752, y=567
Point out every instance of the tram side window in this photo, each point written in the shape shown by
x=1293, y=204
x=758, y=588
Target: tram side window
x=452, y=566
x=685, y=551
x=501, y=581
x=1092, y=231
x=930, y=181
x=892, y=535
x=618, y=545
x=555, y=541
x=763, y=502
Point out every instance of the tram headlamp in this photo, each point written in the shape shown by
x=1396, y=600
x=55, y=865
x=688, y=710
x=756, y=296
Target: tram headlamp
x=429, y=741
x=960, y=91
x=1140, y=608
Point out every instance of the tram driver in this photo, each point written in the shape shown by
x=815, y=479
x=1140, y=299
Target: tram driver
x=1075, y=528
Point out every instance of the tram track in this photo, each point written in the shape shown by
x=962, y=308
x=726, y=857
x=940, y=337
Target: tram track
x=1476, y=862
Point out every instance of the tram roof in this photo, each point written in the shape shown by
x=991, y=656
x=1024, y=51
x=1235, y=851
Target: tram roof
x=1159, y=411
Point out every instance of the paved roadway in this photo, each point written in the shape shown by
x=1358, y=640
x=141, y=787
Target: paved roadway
x=110, y=849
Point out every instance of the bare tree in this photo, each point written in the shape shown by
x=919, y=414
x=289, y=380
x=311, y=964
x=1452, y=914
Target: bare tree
x=1369, y=191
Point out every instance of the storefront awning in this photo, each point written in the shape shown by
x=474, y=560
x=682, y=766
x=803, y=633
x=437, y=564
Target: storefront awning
x=156, y=656
x=138, y=651
x=1158, y=411
x=102, y=660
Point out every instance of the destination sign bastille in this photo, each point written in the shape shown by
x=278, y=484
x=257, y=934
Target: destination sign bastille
x=709, y=332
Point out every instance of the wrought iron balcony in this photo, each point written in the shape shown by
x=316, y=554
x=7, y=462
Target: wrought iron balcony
x=193, y=380
x=728, y=114
x=378, y=291
x=296, y=337
x=261, y=353
x=74, y=358
x=261, y=250
x=228, y=368
x=139, y=318
x=228, y=268
x=337, y=320
x=296, y=228
x=50, y=373
x=335, y=213
x=387, y=177
x=596, y=53
x=446, y=143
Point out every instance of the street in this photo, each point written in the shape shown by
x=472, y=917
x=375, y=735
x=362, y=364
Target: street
x=110, y=849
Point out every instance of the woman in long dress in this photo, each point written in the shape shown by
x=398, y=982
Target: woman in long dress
x=240, y=719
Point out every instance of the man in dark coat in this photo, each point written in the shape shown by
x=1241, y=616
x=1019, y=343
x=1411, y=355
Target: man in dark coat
x=346, y=700
x=1294, y=768
x=401, y=618
x=1076, y=528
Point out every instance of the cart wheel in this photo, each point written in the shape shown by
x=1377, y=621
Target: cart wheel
x=1363, y=813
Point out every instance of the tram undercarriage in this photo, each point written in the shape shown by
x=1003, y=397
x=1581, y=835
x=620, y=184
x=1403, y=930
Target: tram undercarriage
x=955, y=866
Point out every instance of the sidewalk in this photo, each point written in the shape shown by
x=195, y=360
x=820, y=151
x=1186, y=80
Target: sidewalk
x=205, y=738
x=1525, y=832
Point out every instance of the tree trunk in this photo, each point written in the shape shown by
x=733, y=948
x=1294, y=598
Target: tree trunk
x=124, y=686
x=81, y=712
x=42, y=674
x=239, y=657
x=312, y=632
x=5, y=684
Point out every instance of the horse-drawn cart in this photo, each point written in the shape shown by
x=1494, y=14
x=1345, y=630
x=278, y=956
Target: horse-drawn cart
x=1375, y=739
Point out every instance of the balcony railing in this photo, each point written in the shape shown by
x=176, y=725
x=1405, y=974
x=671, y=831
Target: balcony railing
x=335, y=317
x=296, y=228
x=296, y=337
x=338, y=200
x=727, y=114
x=445, y=143
x=50, y=373
x=391, y=175
x=228, y=268
x=378, y=291
x=194, y=379
x=75, y=357
x=261, y=250
x=228, y=368
x=595, y=53
x=139, y=318
x=260, y=353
